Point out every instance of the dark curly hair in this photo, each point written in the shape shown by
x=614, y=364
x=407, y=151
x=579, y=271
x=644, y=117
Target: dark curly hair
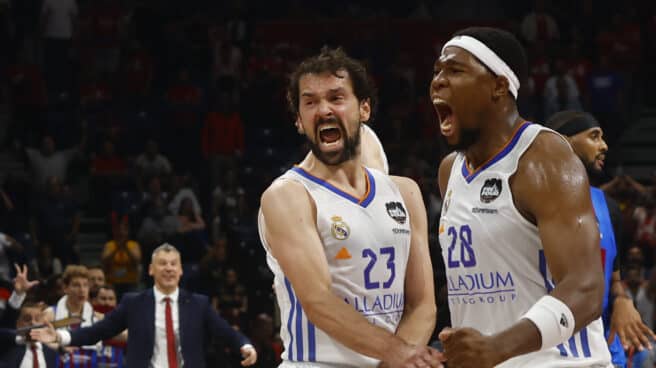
x=332, y=61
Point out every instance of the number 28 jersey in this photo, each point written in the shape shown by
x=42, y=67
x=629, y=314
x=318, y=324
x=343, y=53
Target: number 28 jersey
x=495, y=264
x=366, y=242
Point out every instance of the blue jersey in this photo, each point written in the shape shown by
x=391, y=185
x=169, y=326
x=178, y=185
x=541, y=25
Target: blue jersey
x=608, y=254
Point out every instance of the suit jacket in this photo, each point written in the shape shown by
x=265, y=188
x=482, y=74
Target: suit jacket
x=136, y=312
x=14, y=356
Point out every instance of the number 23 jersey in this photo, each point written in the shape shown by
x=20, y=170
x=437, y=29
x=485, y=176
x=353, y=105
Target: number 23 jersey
x=366, y=242
x=495, y=264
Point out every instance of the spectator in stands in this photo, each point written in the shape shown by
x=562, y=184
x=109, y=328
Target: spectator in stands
x=29, y=354
x=107, y=162
x=185, y=103
x=151, y=163
x=560, y=91
x=104, y=299
x=539, y=25
x=121, y=258
x=232, y=299
x=138, y=70
x=638, y=289
x=262, y=336
x=14, y=207
x=213, y=266
x=48, y=162
x=58, y=21
x=222, y=137
x=96, y=278
x=47, y=264
x=75, y=302
x=606, y=97
x=56, y=220
x=9, y=248
x=183, y=188
x=28, y=98
x=113, y=350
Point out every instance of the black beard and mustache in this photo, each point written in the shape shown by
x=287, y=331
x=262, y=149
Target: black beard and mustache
x=350, y=150
x=467, y=138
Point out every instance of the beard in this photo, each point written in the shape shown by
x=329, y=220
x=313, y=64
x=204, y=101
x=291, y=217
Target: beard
x=466, y=139
x=351, y=145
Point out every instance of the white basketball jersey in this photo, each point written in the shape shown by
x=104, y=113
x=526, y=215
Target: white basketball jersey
x=495, y=264
x=366, y=242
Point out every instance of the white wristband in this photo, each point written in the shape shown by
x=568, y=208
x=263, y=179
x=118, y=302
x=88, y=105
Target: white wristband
x=554, y=320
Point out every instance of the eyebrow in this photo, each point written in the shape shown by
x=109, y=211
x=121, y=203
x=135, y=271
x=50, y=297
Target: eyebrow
x=330, y=91
x=450, y=62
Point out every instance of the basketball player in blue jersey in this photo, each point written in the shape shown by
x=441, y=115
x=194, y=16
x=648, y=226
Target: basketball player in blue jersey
x=623, y=325
x=518, y=231
x=347, y=244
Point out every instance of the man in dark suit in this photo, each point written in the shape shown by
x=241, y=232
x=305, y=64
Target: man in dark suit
x=24, y=353
x=167, y=326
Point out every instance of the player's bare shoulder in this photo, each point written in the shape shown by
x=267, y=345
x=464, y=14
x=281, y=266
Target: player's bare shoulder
x=546, y=171
x=284, y=195
x=409, y=189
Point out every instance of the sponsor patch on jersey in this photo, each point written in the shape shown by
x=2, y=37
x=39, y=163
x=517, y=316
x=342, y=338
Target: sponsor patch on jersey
x=491, y=190
x=485, y=211
x=339, y=229
x=396, y=211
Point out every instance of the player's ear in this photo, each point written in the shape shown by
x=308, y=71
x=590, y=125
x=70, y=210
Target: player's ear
x=299, y=126
x=365, y=110
x=500, y=87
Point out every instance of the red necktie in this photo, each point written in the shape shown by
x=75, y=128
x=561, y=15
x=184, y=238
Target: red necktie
x=170, y=336
x=35, y=356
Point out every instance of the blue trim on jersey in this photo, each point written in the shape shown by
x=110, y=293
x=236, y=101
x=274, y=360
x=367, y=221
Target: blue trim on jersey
x=572, y=346
x=563, y=352
x=292, y=302
x=585, y=344
x=364, y=202
x=505, y=151
x=299, y=331
x=312, y=354
x=543, y=271
x=372, y=190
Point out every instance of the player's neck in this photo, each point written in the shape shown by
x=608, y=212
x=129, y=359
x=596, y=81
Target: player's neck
x=348, y=175
x=493, y=138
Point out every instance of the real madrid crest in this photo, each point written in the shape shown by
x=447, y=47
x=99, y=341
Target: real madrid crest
x=339, y=229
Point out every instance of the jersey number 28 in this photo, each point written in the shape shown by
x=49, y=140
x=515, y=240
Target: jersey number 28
x=467, y=257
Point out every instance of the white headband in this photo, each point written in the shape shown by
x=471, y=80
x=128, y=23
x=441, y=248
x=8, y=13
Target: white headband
x=487, y=57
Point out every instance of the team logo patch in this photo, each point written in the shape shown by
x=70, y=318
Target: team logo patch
x=339, y=229
x=491, y=190
x=396, y=211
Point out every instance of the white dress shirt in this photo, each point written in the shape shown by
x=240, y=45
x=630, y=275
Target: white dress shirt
x=28, y=358
x=160, y=357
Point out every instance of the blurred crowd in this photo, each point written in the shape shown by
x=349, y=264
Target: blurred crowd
x=168, y=120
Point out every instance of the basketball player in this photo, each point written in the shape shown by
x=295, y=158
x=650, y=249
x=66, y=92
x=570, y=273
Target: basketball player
x=624, y=327
x=347, y=244
x=519, y=235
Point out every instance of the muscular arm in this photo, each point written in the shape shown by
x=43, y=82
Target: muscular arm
x=291, y=233
x=554, y=194
x=418, y=321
